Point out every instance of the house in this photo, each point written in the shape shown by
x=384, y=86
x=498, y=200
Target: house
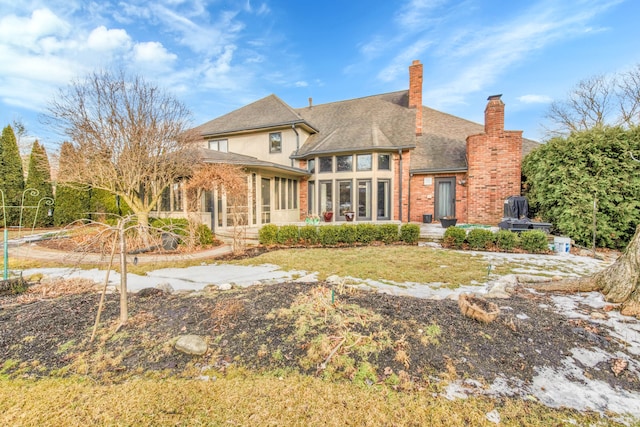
x=378, y=158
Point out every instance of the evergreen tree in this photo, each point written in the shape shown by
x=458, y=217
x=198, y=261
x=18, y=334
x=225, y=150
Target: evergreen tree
x=11, y=176
x=39, y=195
x=72, y=201
x=565, y=176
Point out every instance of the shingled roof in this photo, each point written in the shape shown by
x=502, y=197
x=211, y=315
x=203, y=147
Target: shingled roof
x=213, y=156
x=268, y=112
x=379, y=122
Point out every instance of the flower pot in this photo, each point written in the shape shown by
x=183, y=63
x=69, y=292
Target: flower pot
x=448, y=222
x=349, y=216
x=327, y=216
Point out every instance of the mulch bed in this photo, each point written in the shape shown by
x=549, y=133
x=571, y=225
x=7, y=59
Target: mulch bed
x=47, y=332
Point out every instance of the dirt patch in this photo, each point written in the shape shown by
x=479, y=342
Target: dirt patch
x=312, y=328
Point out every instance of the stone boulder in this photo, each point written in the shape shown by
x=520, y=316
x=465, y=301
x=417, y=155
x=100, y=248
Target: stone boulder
x=191, y=344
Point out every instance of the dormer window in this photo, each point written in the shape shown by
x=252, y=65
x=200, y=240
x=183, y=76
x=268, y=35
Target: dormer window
x=219, y=145
x=275, y=142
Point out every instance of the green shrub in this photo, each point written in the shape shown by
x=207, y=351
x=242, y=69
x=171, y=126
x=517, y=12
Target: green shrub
x=267, y=235
x=366, y=233
x=409, y=233
x=288, y=235
x=388, y=233
x=506, y=240
x=480, y=238
x=454, y=237
x=309, y=235
x=204, y=235
x=328, y=235
x=347, y=234
x=179, y=226
x=534, y=241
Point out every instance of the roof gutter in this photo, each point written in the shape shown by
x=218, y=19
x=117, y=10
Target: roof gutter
x=400, y=185
x=432, y=171
x=293, y=127
x=313, y=153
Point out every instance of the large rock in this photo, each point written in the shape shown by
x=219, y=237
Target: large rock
x=191, y=344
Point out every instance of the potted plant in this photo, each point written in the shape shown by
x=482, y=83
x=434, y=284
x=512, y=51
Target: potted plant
x=327, y=215
x=448, y=221
x=312, y=219
x=349, y=215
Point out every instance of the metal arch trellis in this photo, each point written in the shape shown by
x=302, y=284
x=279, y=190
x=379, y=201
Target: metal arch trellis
x=43, y=201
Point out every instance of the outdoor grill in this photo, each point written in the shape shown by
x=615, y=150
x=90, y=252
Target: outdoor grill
x=516, y=216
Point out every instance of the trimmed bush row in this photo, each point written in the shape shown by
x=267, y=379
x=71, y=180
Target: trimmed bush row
x=534, y=241
x=331, y=235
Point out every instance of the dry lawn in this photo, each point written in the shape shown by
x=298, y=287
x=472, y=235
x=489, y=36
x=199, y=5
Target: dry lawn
x=243, y=399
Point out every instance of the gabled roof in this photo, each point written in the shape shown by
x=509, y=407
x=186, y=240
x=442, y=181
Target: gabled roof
x=213, y=156
x=381, y=122
x=268, y=112
x=442, y=147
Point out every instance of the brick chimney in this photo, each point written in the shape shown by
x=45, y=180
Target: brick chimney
x=494, y=115
x=415, y=92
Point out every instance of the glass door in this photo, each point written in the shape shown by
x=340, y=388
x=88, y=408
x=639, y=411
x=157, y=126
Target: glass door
x=364, y=199
x=265, y=191
x=445, y=197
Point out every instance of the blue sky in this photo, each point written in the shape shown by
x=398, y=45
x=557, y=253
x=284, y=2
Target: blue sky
x=216, y=56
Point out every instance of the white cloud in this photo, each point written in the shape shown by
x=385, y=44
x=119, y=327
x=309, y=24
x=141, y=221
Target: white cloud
x=535, y=99
x=102, y=39
x=153, y=53
x=301, y=84
x=27, y=31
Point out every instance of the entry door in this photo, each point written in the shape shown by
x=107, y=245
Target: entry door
x=265, y=189
x=445, y=197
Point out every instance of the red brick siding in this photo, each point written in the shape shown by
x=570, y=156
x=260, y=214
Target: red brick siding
x=406, y=162
x=423, y=196
x=494, y=160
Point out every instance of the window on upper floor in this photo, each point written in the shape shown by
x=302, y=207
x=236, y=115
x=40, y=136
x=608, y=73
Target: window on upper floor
x=275, y=142
x=219, y=145
x=363, y=162
x=345, y=163
x=311, y=165
x=326, y=164
x=384, y=162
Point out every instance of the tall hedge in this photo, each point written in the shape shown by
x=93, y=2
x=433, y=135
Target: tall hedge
x=72, y=201
x=11, y=175
x=565, y=175
x=39, y=197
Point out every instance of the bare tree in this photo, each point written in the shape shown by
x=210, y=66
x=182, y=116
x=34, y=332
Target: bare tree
x=232, y=180
x=598, y=101
x=130, y=138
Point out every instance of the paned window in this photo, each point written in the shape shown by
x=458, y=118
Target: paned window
x=384, y=162
x=345, y=163
x=219, y=145
x=275, y=142
x=363, y=162
x=326, y=164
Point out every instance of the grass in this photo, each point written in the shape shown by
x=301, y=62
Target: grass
x=240, y=398
x=387, y=263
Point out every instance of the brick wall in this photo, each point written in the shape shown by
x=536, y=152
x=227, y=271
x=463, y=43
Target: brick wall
x=423, y=196
x=494, y=161
x=404, y=182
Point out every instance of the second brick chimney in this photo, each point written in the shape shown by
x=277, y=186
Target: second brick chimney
x=494, y=115
x=415, y=92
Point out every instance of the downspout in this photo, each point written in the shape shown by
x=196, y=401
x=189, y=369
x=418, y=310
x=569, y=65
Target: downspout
x=400, y=185
x=293, y=127
x=409, y=198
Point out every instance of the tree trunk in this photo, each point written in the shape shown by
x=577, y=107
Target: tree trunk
x=619, y=283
